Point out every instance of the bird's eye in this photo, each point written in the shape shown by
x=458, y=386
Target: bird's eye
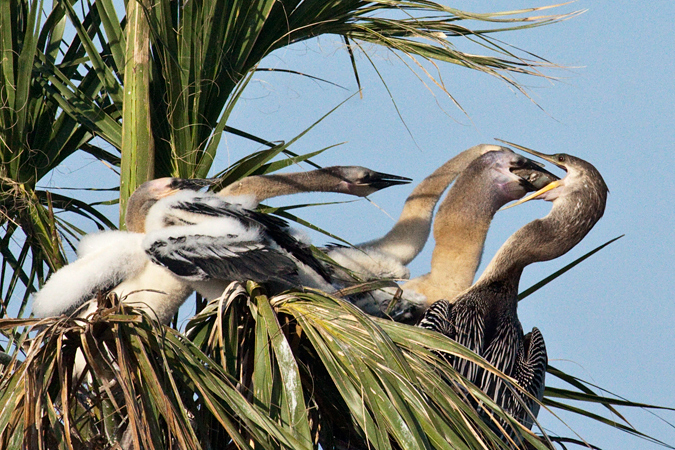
x=561, y=158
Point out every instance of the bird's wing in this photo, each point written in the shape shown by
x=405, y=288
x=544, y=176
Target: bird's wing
x=222, y=248
x=502, y=351
x=531, y=374
x=469, y=332
x=272, y=230
x=462, y=322
x=439, y=318
x=116, y=256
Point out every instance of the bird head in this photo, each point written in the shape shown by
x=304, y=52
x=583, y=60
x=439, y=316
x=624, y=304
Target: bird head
x=148, y=193
x=582, y=180
x=360, y=181
x=578, y=203
x=513, y=175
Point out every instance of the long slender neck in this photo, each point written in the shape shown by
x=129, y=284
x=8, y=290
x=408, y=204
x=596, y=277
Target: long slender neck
x=268, y=186
x=515, y=254
x=408, y=236
x=460, y=228
x=576, y=210
x=532, y=243
x=540, y=240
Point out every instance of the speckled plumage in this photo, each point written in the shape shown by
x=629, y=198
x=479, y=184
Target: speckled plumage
x=485, y=321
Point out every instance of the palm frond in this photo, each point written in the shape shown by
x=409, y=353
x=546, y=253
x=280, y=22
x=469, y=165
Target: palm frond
x=36, y=135
x=394, y=389
x=144, y=385
x=297, y=370
x=201, y=54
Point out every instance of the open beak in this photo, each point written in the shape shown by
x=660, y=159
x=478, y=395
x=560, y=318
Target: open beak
x=380, y=180
x=533, y=175
x=552, y=185
x=547, y=181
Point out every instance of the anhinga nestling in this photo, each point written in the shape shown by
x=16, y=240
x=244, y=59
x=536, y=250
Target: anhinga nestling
x=209, y=241
x=115, y=261
x=484, y=318
x=388, y=256
x=464, y=217
x=122, y=262
x=352, y=180
x=461, y=225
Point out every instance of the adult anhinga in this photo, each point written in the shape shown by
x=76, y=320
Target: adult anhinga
x=484, y=318
x=352, y=180
x=464, y=217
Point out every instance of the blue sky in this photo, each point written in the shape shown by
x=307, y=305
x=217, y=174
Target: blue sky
x=610, y=320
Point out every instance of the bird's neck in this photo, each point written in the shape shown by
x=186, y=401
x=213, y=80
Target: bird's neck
x=408, y=236
x=573, y=215
x=499, y=298
x=460, y=229
x=540, y=240
x=269, y=186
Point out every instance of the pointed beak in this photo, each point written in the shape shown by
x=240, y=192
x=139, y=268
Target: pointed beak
x=380, y=180
x=544, y=156
x=534, y=195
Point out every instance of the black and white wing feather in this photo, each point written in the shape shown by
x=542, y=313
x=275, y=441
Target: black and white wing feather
x=203, y=236
x=218, y=248
x=462, y=322
x=530, y=374
x=439, y=318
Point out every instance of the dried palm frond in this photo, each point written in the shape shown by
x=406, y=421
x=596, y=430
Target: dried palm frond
x=296, y=370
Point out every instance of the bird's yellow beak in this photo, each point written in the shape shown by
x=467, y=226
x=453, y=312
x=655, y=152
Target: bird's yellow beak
x=552, y=185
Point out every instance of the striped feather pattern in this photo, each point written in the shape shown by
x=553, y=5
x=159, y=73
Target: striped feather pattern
x=531, y=376
x=492, y=330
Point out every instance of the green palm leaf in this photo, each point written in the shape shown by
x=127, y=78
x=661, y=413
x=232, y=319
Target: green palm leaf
x=296, y=370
